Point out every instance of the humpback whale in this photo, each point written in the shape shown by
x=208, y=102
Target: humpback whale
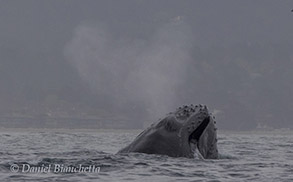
x=180, y=134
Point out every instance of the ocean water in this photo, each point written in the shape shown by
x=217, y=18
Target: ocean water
x=72, y=155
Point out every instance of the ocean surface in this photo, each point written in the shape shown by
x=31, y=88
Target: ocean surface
x=89, y=155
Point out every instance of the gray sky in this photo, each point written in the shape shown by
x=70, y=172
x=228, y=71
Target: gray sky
x=141, y=59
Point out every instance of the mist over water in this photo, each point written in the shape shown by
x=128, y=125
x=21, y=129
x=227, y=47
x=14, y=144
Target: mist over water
x=146, y=73
x=135, y=61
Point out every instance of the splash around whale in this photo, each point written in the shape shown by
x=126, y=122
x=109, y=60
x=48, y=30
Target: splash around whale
x=179, y=134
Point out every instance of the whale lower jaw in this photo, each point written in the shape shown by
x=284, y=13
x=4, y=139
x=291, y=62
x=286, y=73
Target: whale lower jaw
x=195, y=152
x=195, y=136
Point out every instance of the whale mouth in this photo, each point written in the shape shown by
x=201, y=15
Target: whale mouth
x=195, y=136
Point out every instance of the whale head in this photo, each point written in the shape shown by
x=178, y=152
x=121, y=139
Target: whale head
x=180, y=134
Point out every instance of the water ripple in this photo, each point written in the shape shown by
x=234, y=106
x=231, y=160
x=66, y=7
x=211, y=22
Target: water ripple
x=243, y=157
